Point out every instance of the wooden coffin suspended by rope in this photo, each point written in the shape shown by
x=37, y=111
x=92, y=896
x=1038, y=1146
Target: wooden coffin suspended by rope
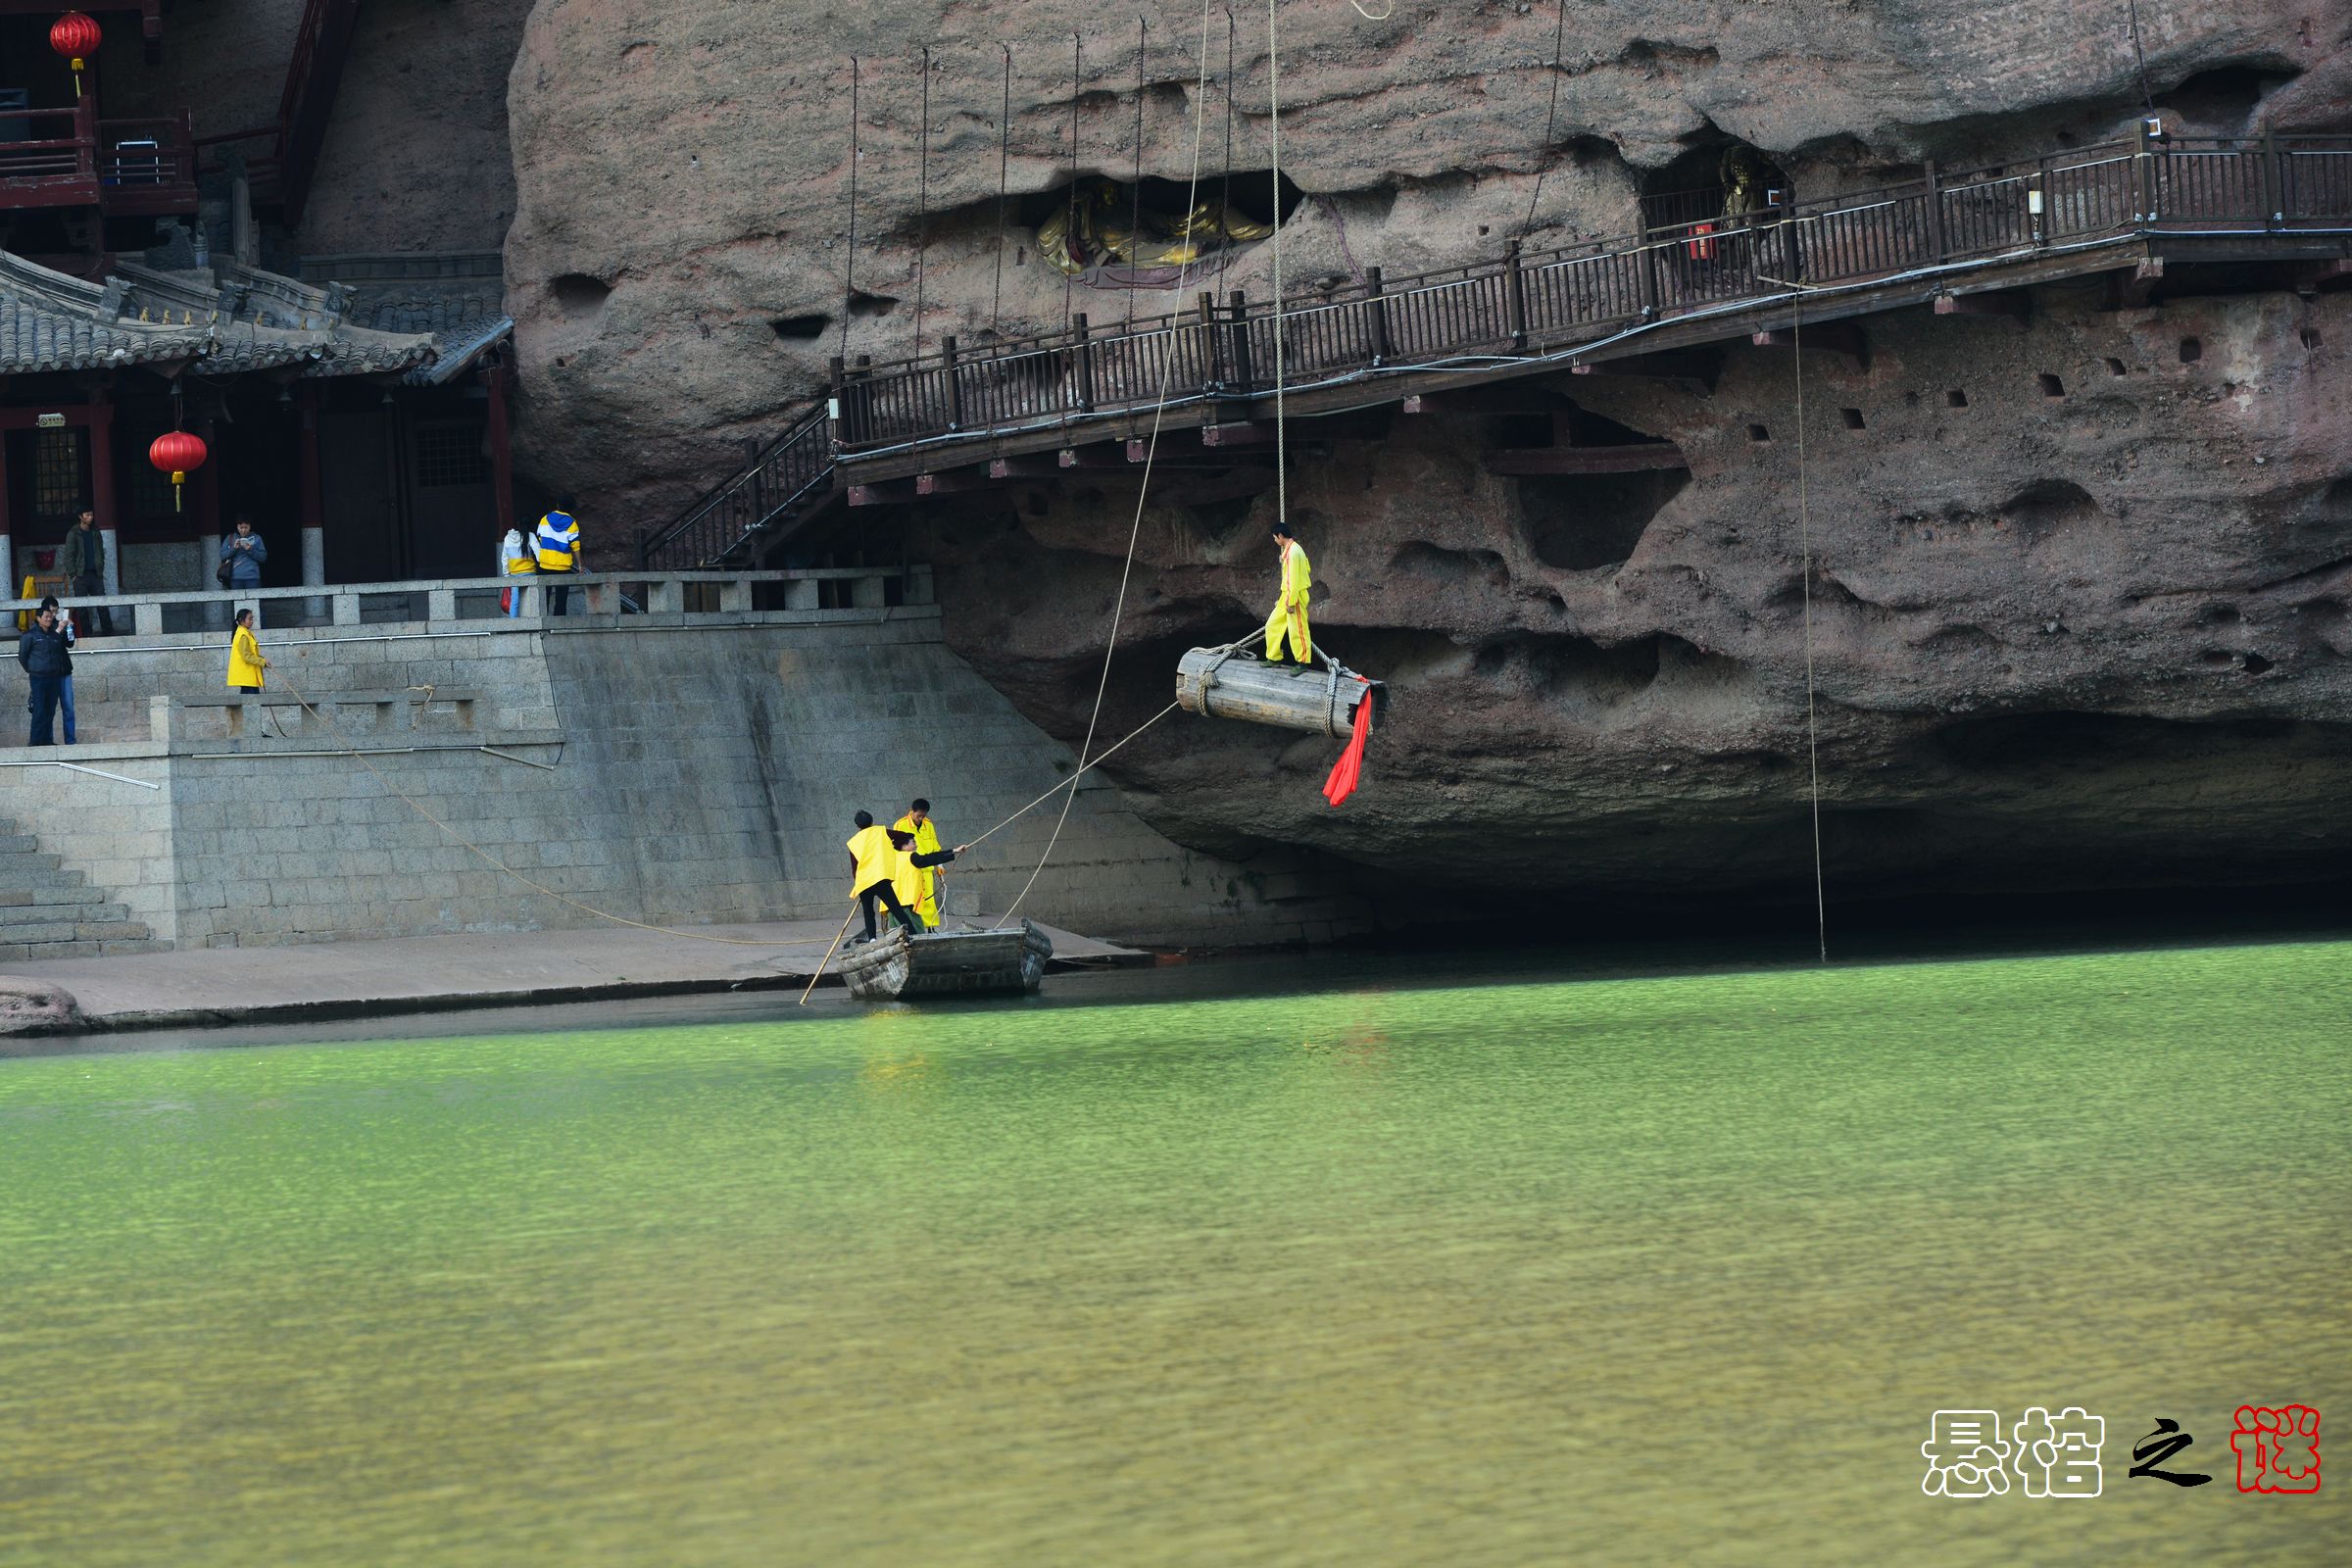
x=1222, y=683
x=1004, y=962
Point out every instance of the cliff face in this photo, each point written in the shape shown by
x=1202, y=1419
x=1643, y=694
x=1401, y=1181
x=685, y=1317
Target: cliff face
x=680, y=248
x=2080, y=603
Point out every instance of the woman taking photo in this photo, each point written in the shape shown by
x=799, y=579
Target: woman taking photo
x=245, y=661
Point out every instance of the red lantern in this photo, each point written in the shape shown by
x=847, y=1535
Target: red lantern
x=75, y=36
x=176, y=453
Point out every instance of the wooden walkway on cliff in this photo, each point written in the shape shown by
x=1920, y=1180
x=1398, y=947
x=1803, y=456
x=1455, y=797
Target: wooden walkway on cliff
x=1968, y=243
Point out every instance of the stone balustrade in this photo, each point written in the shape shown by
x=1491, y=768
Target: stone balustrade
x=598, y=598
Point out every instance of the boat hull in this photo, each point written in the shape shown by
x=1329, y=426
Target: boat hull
x=1000, y=962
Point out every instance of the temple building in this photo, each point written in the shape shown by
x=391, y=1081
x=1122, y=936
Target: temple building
x=353, y=404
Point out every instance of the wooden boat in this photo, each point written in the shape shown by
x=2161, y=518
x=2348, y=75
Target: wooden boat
x=1223, y=683
x=1004, y=962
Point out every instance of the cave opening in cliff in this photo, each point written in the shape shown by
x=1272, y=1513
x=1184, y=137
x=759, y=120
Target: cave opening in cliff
x=1145, y=234
x=1591, y=521
x=2223, y=96
x=1716, y=178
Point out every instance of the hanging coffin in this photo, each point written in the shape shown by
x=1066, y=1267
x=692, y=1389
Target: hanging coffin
x=1224, y=684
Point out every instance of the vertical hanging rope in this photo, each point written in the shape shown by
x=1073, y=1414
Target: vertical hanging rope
x=922, y=207
x=996, y=304
x=2143, y=59
x=1135, y=206
x=1070, y=221
x=1804, y=536
x=848, y=265
x=1225, y=196
x=1282, y=472
x=1559, y=38
x=1134, y=528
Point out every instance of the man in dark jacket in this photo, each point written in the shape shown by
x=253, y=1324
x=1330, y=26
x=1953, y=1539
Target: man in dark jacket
x=41, y=649
x=83, y=562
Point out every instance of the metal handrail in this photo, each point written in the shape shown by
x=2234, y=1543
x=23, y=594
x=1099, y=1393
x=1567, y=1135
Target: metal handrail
x=1564, y=294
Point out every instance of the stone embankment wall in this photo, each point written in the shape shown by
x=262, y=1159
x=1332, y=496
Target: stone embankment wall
x=692, y=773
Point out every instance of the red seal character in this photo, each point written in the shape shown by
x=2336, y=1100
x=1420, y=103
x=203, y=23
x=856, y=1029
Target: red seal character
x=2278, y=1450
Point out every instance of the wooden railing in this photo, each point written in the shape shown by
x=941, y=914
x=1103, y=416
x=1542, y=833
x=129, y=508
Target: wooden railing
x=781, y=476
x=1527, y=301
x=1532, y=302
x=137, y=179
x=71, y=157
x=49, y=157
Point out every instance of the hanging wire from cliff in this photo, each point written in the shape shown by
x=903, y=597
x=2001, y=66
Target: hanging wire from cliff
x=2141, y=55
x=1069, y=217
x=1135, y=213
x=848, y=265
x=1282, y=469
x=1559, y=41
x=1804, y=537
x=1134, y=528
x=996, y=304
x=922, y=205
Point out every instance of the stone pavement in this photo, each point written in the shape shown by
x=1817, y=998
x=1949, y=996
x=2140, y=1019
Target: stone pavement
x=204, y=987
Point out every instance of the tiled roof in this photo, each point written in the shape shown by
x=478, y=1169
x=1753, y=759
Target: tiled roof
x=231, y=319
x=458, y=299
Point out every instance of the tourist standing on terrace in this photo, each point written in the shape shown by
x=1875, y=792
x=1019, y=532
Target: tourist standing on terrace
x=41, y=649
x=241, y=555
x=559, y=550
x=516, y=560
x=245, y=661
x=65, y=688
x=83, y=562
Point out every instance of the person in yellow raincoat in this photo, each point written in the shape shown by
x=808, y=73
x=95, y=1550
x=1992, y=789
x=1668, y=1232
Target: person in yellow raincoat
x=1287, y=621
x=919, y=885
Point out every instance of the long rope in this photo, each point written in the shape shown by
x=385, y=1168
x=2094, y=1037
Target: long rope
x=1804, y=536
x=1225, y=246
x=1069, y=220
x=848, y=265
x=1135, y=205
x=922, y=205
x=995, y=305
x=2139, y=56
x=1559, y=40
x=1134, y=528
x=1282, y=470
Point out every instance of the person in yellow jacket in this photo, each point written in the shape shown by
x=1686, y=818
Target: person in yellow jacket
x=556, y=549
x=876, y=858
x=245, y=661
x=919, y=885
x=1287, y=621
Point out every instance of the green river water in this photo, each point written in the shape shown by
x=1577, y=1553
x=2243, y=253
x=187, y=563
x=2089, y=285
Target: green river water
x=1493, y=1270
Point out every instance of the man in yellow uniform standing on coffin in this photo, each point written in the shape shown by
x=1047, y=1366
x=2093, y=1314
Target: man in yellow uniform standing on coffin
x=919, y=885
x=1287, y=621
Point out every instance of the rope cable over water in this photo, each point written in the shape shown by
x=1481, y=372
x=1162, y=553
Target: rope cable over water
x=1167, y=366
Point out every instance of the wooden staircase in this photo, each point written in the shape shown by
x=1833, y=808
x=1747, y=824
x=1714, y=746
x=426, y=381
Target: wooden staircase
x=49, y=912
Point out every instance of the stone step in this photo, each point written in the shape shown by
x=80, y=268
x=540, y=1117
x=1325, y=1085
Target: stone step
x=17, y=918
x=19, y=868
x=79, y=947
x=52, y=890
x=12, y=842
x=76, y=931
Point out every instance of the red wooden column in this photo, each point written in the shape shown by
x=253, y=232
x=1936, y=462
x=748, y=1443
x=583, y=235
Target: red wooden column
x=203, y=508
x=102, y=486
x=501, y=451
x=314, y=503
x=9, y=580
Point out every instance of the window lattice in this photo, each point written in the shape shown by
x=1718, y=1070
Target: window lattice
x=450, y=455
x=150, y=487
x=56, y=474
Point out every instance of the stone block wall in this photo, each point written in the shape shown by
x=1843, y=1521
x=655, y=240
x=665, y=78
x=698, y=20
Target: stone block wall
x=698, y=773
